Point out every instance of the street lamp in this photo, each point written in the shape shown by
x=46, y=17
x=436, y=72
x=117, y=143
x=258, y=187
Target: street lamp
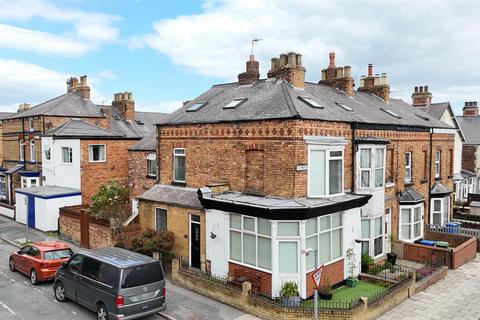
x=307, y=251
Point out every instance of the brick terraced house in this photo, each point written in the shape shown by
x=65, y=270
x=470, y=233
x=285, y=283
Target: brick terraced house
x=282, y=165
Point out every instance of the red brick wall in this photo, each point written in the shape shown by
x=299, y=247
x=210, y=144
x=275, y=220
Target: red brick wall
x=423, y=254
x=265, y=277
x=138, y=180
x=333, y=271
x=93, y=174
x=468, y=158
x=465, y=252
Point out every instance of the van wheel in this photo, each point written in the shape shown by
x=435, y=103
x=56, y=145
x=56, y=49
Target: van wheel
x=102, y=313
x=60, y=292
x=11, y=265
x=33, y=277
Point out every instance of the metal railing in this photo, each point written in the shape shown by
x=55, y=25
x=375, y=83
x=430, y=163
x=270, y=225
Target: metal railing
x=455, y=230
x=388, y=271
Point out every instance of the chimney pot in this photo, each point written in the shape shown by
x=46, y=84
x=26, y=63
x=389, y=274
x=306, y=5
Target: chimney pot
x=370, y=69
x=283, y=59
x=426, y=88
x=299, y=59
x=347, y=71
x=421, y=88
x=331, y=57
x=416, y=89
x=339, y=73
x=292, y=59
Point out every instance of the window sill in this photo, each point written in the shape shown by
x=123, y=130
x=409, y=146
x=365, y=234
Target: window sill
x=180, y=184
x=389, y=184
x=151, y=177
x=408, y=183
x=103, y=161
x=438, y=178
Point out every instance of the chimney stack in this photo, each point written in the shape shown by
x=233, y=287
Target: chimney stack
x=81, y=88
x=470, y=109
x=337, y=77
x=252, y=72
x=23, y=107
x=123, y=102
x=378, y=84
x=421, y=97
x=288, y=67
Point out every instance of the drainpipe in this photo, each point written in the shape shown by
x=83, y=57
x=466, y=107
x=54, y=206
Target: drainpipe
x=430, y=172
x=354, y=151
x=157, y=149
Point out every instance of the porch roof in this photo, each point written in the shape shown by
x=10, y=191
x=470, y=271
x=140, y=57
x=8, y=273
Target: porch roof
x=439, y=189
x=410, y=196
x=277, y=208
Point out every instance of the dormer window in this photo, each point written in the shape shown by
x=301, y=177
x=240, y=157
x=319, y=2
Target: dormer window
x=235, y=103
x=196, y=106
x=310, y=102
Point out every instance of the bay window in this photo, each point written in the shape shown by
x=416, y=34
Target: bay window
x=365, y=236
x=440, y=211
x=365, y=167
x=325, y=172
x=408, y=167
x=372, y=167
x=378, y=237
x=379, y=167
x=372, y=236
x=324, y=234
x=411, y=222
x=250, y=241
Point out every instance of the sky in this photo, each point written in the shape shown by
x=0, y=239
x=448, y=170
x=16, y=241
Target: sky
x=167, y=51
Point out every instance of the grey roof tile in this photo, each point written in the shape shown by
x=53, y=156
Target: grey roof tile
x=410, y=196
x=4, y=115
x=436, y=110
x=274, y=99
x=471, y=128
x=185, y=197
x=439, y=188
x=146, y=144
x=79, y=128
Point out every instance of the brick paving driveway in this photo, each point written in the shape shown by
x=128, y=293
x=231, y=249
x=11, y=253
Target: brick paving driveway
x=455, y=297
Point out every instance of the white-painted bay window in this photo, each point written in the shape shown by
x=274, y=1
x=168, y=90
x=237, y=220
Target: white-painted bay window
x=411, y=222
x=365, y=167
x=325, y=172
x=408, y=167
x=379, y=167
x=378, y=236
x=250, y=241
x=372, y=167
x=440, y=209
x=372, y=236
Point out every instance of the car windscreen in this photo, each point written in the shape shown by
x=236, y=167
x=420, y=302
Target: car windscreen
x=142, y=275
x=57, y=254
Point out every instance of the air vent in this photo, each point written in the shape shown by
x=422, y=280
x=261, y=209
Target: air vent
x=344, y=107
x=422, y=117
x=310, y=102
x=390, y=112
x=139, y=122
x=196, y=106
x=235, y=103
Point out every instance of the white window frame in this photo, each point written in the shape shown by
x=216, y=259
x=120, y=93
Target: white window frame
x=152, y=157
x=30, y=125
x=330, y=230
x=412, y=222
x=438, y=162
x=328, y=158
x=90, y=152
x=373, y=167
x=372, y=237
x=155, y=218
x=33, y=157
x=47, y=152
x=366, y=169
x=408, y=167
x=382, y=167
x=70, y=149
x=21, y=149
x=26, y=182
x=444, y=212
x=184, y=163
x=4, y=182
x=257, y=235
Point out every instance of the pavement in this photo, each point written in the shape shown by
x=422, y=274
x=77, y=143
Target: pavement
x=21, y=300
x=457, y=297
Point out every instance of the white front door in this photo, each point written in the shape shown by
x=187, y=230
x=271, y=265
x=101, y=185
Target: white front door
x=289, y=261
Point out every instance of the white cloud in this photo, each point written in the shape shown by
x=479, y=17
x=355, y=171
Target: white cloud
x=416, y=43
x=88, y=30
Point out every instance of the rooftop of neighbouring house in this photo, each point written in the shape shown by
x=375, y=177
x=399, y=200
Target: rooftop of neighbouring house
x=76, y=128
x=409, y=195
x=436, y=110
x=4, y=115
x=182, y=196
x=146, y=144
x=49, y=191
x=471, y=128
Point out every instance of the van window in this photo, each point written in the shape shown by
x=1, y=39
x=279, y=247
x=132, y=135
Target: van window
x=108, y=275
x=142, y=275
x=57, y=254
x=75, y=263
x=91, y=268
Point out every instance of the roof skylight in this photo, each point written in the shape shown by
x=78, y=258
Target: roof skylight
x=196, y=106
x=235, y=103
x=422, y=117
x=344, y=107
x=310, y=102
x=390, y=112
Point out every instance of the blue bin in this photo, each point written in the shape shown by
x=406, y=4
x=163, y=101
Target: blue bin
x=452, y=227
x=427, y=243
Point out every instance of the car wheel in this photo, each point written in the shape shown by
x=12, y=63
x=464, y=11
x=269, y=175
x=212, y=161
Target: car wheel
x=60, y=292
x=102, y=313
x=33, y=277
x=11, y=265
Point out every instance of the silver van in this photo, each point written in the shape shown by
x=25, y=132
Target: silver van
x=114, y=282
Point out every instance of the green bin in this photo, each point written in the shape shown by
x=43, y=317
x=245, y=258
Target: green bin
x=442, y=244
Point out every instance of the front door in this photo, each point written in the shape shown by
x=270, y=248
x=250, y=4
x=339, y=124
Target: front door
x=31, y=211
x=195, y=241
x=288, y=261
x=388, y=230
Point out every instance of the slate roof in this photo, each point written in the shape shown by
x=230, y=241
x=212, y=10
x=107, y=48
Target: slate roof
x=69, y=105
x=471, y=128
x=14, y=169
x=436, y=110
x=439, y=188
x=146, y=144
x=184, y=197
x=410, y=196
x=277, y=99
x=4, y=115
x=81, y=129
x=467, y=173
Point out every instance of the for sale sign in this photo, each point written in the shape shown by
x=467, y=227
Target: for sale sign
x=317, y=276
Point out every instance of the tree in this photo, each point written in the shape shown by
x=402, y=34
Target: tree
x=111, y=202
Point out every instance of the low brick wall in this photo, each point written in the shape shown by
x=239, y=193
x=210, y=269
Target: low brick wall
x=464, y=253
x=262, y=308
x=431, y=279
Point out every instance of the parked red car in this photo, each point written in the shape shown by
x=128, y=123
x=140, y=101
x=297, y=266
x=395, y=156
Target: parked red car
x=40, y=260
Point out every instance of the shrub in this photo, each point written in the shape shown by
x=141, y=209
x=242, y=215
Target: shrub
x=151, y=241
x=367, y=260
x=289, y=289
x=111, y=201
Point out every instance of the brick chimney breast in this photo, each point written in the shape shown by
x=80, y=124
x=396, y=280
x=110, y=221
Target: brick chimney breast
x=337, y=77
x=376, y=84
x=421, y=97
x=252, y=72
x=288, y=67
x=470, y=109
x=81, y=88
x=123, y=102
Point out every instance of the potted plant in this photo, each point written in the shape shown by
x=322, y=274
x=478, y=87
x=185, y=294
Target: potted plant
x=289, y=294
x=391, y=258
x=325, y=291
x=366, y=261
x=352, y=265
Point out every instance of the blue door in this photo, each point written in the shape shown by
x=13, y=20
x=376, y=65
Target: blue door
x=31, y=211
